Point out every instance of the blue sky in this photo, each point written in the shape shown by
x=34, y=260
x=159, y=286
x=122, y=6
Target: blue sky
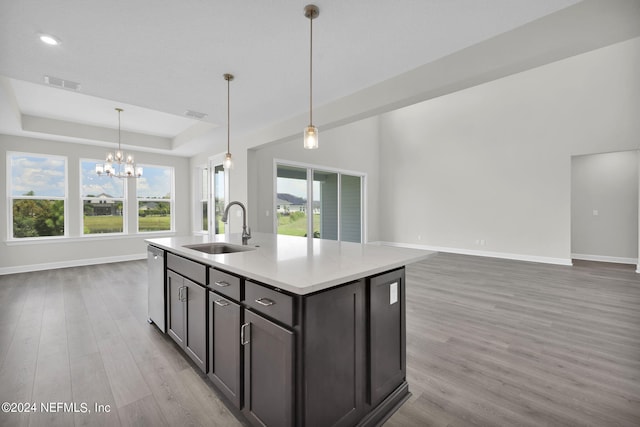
x=45, y=176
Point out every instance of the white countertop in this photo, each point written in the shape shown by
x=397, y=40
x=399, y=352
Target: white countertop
x=296, y=264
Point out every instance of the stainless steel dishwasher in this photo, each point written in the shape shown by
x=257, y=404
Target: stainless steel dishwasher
x=155, y=263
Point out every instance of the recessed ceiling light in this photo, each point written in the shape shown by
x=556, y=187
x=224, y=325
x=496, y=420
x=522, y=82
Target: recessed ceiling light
x=49, y=39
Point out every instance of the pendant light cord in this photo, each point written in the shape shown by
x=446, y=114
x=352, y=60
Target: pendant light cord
x=311, y=72
x=228, y=113
x=119, y=136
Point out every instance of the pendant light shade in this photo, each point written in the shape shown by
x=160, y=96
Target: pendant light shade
x=311, y=137
x=311, y=11
x=228, y=162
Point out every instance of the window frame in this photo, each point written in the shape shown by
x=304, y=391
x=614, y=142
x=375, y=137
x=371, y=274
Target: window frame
x=10, y=198
x=171, y=201
x=124, y=199
x=311, y=168
x=198, y=180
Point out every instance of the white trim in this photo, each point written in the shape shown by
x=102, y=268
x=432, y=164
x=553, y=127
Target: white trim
x=10, y=198
x=74, y=263
x=313, y=166
x=87, y=238
x=603, y=258
x=214, y=162
x=638, y=268
x=504, y=255
x=171, y=201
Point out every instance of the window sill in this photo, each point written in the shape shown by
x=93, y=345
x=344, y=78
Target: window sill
x=87, y=238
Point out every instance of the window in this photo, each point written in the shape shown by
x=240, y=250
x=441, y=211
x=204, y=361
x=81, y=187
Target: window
x=203, y=182
x=202, y=199
x=155, y=199
x=219, y=201
x=291, y=197
x=37, y=195
x=334, y=200
x=103, y=201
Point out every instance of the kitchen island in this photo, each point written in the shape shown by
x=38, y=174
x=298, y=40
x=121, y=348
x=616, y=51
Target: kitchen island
x=293, y=331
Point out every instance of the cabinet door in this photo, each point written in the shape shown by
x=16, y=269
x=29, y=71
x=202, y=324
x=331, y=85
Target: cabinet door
x=224, y=346
x=335, y=359
x=268, y=372
x=175, y=307
x=386, y=334
x=196, y=317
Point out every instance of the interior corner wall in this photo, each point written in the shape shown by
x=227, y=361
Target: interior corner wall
x=492, y=164
x=604, y=207
x=78, y=249
x=353, y=147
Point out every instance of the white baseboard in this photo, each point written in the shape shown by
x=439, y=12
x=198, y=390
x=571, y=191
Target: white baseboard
x=504, y=255
x=72, y=263
x=602, y=258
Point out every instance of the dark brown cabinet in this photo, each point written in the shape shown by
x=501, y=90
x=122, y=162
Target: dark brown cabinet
x=176, y=324
x=224, y=346
x=268, y=372
x=334, y=358
x=187, y=316
x=386, y=312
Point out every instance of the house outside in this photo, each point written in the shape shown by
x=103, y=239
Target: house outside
x=103, y=205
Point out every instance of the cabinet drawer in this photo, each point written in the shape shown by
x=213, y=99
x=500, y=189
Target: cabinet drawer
x=224, y=283
x=274, y=304
x=187, y=268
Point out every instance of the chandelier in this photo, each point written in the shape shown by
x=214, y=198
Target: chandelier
x=119, y=165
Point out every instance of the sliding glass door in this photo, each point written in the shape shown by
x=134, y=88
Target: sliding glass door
x=291, y=201
x=326, y=203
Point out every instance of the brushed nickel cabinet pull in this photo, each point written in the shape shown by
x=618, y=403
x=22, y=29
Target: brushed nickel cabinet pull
x=243, y=334
x=221, y=302
x=221, y=283
x=265, y=302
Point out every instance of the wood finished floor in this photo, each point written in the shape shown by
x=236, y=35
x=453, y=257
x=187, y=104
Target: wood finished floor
x=489, y=342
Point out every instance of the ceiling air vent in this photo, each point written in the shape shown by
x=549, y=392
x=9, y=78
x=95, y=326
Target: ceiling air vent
x=61, y=83
x=195, y=114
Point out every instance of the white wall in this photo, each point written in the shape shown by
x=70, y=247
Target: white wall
x=604, y=207
x=492, y=163
x=79, y=250
x=352, y=147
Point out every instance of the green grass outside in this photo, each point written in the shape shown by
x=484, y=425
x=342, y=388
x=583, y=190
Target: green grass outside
x=154, y=223
x=102, y=224
x=113, y=224
x=296, y=225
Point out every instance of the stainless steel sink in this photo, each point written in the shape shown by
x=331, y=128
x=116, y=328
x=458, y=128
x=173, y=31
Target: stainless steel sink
x=219, y=248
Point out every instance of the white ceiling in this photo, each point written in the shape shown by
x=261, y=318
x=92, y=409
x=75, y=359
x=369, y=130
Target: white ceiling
x=158, y=58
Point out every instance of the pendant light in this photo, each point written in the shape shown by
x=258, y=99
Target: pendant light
x=228, y=163
x=125, y=167
x=311, y=11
